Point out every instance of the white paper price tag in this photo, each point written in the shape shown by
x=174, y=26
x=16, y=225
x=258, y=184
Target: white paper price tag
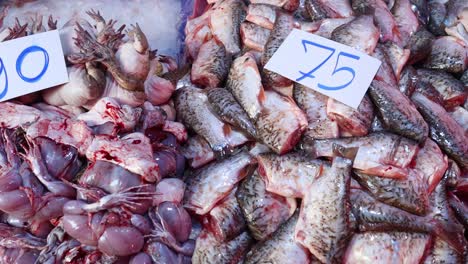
x=326, y=66
x=30, y=64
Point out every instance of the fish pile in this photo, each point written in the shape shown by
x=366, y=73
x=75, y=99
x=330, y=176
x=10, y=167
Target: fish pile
x=90, y=171
x=283, y=174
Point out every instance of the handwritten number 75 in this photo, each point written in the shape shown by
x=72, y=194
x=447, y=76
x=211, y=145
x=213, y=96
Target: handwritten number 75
x=335, y=70
x=19, y=64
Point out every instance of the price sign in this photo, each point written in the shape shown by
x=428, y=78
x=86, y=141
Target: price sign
x=31, y=64
x=326, y=66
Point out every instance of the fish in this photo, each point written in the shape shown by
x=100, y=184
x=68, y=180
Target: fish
x=230, y=111
x=327, y=26
x=452, y=90
x=289, y=175
x=196, y=38
x=398, y=113
x=443, y=129
x=210, y=184
x=314, y=105
x=355, y=122
x=448, y=54
x=211, y=67
x=253, y=36
x=408, y=79
x=337, y=8
x=459, y=208
x=385, y=72
x=283, y=26
x=210, y=251
x=281, y=123
x=262, y=15
x=453, y=174
x=280, y=247
x=419, y=45
x=382, y=154
x=315, y=10
x=406, y=20
x=225, y=19
x=397, y=56
x=195, y=112
x=391, y=247
x=324, y=225
x=263, y=211
x=226, y=220
x=432, y=163
x=442, y=252
x=197, y=151
x=383, y=17
x=277, y=3
x=460, y=115
x=441, y=211
x=245, y=84
x=409, y=194
x=360, y=33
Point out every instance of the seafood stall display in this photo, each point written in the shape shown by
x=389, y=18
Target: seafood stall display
x=172, y=143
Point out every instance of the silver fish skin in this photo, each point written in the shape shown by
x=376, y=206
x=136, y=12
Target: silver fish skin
x=398, y=113
x=448, y=54
x=444, y=130
x=314, y=105
x=277, y=3
x=210, y=251
x=195, y=112
x=360, y=33
x=392, y=247
x=263, y=211
x=440, y=210
x=281, y=247
x=459, y=208
x=324, y=226
x=419, y=45
x=382, y=154
x=225, y=19
x=281, y=123
x=408, y=79
x=373, y=215
x=289, y=175
x=211, y=67
x=354, y=122
x=262, y=15
x=442, y=252
x=244, y=82
x=210, y=184
x=452, y=90
x=225, y=220
x=230, y=111
x=315, y=10
x=253, y=36
x=283, y=26
x=437, y=14
x=409, y=194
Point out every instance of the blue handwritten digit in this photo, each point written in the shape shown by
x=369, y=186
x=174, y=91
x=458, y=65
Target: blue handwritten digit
x=309, y=74
x=347, y=69
x=19, y=63
x=5, y=89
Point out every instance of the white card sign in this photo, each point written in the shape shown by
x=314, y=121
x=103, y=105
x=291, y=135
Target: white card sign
x=30, y=64
x=326, y=66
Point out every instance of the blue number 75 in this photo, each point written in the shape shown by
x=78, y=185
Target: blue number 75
x=335, y=70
